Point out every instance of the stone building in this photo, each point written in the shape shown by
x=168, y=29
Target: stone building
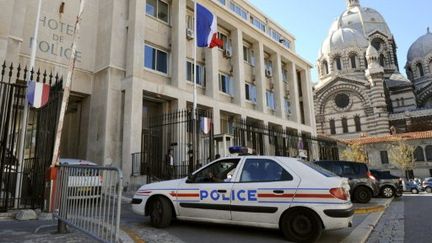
x=135, y=58
x=361, y=94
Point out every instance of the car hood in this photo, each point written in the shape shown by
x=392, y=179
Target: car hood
x=172, y=184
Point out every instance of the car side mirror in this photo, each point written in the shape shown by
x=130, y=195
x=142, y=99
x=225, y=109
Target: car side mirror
x=189, y=178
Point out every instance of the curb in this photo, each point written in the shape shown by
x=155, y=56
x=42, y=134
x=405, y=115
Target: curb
x=362, y=232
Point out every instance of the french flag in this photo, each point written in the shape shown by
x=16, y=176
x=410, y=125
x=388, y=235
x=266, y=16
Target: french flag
x=37, y=94
x=206, y=28
x=205, y=125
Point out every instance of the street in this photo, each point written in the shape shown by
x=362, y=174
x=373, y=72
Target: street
x=406, y=220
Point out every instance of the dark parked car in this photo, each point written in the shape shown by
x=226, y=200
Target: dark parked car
x=389, y=185
x=362, y=183
x=427, y=184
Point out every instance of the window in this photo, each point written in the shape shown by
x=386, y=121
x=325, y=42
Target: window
x=338, y=63
x=357, y=123
x=258, y=23
x=275, y=35
x=270, y=100
x=224, y=39
x=342, y=100
x=353, y=59
x=190, y=22
x=190, y=73
x=377, y=43
x=418, y=154
x=284, y=75
x=156, y=59
x=238, y=10
x=222, y=2
x=382, y=60
x=345, y=125
x=226, y=84
x=420, y=70
x=263, y=170
x=248, y=55
x=158, y=9
x=384, y=157
x=218, y=172
x=287, y=106
x=429, y=153
x=402, y=101
x=251, y=92
x=285, y=42
x=430, y=67
x=332, y=127
x=325, y=68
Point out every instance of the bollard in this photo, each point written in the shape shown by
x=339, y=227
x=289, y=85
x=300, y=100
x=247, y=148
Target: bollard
x=61, y=227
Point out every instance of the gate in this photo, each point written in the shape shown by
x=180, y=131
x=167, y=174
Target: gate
x=171, y=135
x=22, y=185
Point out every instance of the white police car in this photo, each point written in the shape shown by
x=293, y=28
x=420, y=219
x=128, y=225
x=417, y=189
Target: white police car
x=299, y=198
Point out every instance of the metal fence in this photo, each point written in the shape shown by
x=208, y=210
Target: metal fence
x=88, y=198
x=22, y=184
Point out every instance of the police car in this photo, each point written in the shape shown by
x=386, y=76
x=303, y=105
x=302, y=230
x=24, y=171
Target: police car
x=299, y=198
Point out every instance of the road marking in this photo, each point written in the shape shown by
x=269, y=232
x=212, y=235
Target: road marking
x=368, y=210
x=132, y=234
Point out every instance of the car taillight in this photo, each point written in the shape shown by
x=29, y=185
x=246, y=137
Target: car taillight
x=340, y=193
x=371, y=176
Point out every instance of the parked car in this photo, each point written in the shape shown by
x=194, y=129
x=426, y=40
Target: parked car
x=427, y=184
x=389, y=185
x=411, y=186
x=299, y=198
x=363, y=185
x=83, y=184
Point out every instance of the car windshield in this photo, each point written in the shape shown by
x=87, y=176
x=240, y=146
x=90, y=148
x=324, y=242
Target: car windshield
x=319, y=169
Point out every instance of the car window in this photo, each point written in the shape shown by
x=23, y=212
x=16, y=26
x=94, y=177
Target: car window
x=218, y=172
x=323, y=171
x=263, y=170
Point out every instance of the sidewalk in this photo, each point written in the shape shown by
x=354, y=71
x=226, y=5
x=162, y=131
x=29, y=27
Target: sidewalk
x=137, y=229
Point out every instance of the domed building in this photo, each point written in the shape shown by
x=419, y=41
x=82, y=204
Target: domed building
x=362, y=96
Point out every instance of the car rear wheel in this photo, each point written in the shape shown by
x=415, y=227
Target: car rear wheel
x=414, y=191
x=362, y=195
x=301, y=225
x=160, y=212
x=429, y=189
x=387, y=191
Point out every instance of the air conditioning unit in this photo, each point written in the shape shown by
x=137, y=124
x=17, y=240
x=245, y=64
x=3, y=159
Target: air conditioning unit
x=268, y=73
x=228, y=52
x=190, y=34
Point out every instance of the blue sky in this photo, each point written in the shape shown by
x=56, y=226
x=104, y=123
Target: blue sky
x=309, y=21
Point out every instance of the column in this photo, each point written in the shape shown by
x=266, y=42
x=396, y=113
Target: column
x=310, y=99
x=216, y=120
x=135, y=38
x=178, y=50
x=212, y=72
x=237, y=59
x=260, y=76
x=278, y=85
x=132, y=125
x=307, y=102
x=294, y=93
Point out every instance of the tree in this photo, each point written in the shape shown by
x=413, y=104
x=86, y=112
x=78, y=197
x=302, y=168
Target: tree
x=355, y=152
x=402, y=155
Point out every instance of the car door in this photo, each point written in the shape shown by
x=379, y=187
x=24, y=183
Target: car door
x=206, y=194
x=263, y=191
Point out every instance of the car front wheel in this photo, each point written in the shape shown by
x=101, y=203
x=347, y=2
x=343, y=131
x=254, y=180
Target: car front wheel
x=301, y=226
x=160, y=212
x=387, y=192
x=362, y=195
x=414, y=191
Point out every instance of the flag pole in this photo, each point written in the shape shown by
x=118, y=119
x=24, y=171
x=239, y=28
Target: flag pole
x=34, y=45
x=65, y=99
x=194, y=107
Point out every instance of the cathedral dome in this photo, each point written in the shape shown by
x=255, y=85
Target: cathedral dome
x=421, y=48
x=342, y=39
x=365, y=20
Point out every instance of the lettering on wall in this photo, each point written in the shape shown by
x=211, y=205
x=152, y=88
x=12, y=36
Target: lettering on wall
x=57, y=45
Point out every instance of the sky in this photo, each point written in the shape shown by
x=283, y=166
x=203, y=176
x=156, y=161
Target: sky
x=309, y=21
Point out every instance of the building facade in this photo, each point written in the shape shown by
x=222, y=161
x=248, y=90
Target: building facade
x=362, y=95
x=135, y=60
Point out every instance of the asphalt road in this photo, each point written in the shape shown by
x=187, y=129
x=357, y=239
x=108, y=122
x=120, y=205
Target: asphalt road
x=418, y=216
x=191, y=232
